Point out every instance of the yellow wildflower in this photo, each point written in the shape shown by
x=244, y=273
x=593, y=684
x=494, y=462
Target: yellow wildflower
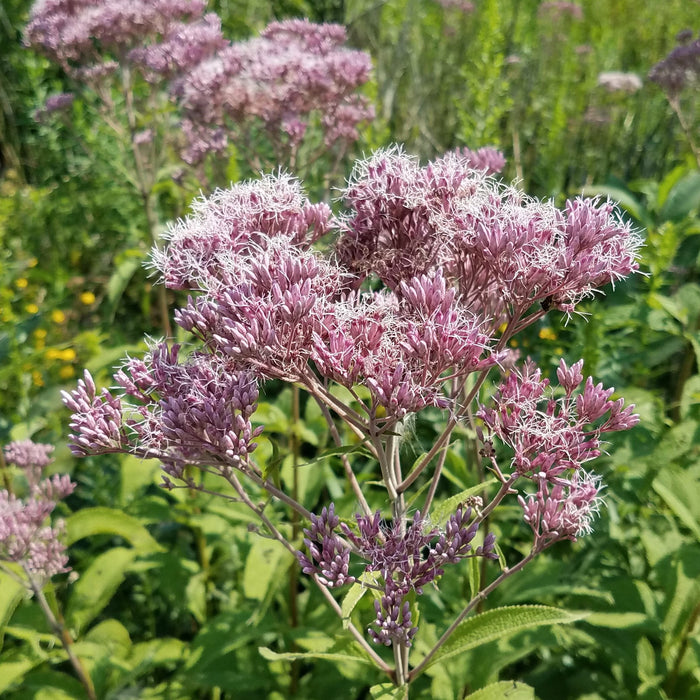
x=547, y=334
x=57, y=316
x=40, y=333
x=21, y=283
x=66, y=372
x=31, y=309
x=37, y=379
x=87, y=298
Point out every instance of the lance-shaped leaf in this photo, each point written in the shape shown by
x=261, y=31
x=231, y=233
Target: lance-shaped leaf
x=502, y=622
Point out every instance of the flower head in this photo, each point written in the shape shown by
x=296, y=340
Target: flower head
x=551, y=437
x=681, y=68
x=564, y=510
x=26, y=537
x=293, y=70
x=405, y=557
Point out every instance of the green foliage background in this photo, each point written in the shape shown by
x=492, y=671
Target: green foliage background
x=175, y=593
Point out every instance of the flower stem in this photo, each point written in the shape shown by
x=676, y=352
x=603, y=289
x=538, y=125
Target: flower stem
x=61, y=631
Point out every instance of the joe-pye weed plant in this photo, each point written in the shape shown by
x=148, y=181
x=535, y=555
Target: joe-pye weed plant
x=432, y=271
x=174, y=92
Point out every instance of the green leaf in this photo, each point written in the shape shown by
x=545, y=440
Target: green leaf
x=265, y=561
x=158, y=652
x=337, y=452
x=196, y=596
x=504, y=690
x=132, y=260
x=270, y=655
x=272, y=417
x=110, y=521
x=112, y=635
x=11, y=593
x=108, y=357
x=52, y=685
x=388, y=691
x=691, y=394
x=672, y=306
x=683, y=198
x=621, y=620
x=675, y=443
x=474, y=575
x=501, y=622
x=351, y=599
x=440, y=513
x=672, y=488
x=96, y=586
x=14, y=667
x=136, y=474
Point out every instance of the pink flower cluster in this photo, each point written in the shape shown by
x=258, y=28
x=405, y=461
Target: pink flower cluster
x=551, y=438
x=25, y=537
x=195, y=411
x=450, y=253
x=81, y=33
x=31, y=457
x=294, y=72
x=487, y=159
x=406, y=560
x=502, y=250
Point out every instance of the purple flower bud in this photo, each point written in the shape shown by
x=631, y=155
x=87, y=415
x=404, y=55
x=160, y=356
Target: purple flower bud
x=406, y=559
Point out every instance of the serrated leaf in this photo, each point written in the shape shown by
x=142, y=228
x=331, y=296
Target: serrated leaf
x=96, y=586
x=501, y=622
x=503, y=690
x=109, y=521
